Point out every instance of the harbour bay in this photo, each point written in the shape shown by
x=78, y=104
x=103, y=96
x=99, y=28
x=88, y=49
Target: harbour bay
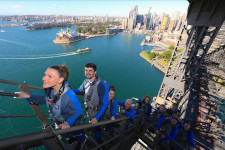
x=25, y=55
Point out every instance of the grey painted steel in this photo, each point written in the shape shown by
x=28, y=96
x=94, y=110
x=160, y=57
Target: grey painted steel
x=17, y=83
x=29, y=138
x=181, y=74
x=41, y=116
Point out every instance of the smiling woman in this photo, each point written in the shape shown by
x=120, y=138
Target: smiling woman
x=65, y=109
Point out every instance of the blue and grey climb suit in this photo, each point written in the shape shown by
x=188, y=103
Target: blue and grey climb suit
x=96, y=97
x=128, y=112
x=66, y=108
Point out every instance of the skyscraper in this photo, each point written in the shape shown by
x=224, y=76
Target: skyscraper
x=165, y=20
x=132, y=21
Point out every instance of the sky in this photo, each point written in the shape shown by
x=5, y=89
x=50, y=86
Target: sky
x=117, y=8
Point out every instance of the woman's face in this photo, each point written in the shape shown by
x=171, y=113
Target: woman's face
x=136, y=105
x=111, y=94
x=147, y=100
x=51, y=78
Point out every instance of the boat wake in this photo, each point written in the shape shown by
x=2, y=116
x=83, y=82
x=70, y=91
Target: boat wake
x=42, y=56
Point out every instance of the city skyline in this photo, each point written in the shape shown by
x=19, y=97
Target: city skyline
x=95, y=7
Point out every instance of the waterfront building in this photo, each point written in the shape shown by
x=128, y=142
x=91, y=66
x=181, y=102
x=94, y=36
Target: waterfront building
x=67, y=37
x=111, y=31
x=124, y=23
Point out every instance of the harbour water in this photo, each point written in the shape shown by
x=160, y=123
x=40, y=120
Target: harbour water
x=25, y=55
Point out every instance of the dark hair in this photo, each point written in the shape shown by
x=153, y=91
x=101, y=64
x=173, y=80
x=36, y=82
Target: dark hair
x=111, y=88
x=139, y=104
x=91, y=65
x=62, y=70
x=143, y=100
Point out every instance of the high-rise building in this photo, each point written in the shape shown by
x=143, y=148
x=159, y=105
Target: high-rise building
x=148, y=22
x=162, y=18
x=132, y=20
x=124, y=23
x=179, y=23
x=165, y=21
x=106, y=18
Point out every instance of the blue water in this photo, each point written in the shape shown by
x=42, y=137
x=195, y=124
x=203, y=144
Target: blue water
x=25, y=55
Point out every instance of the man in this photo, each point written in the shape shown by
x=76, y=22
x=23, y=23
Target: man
x=129, y=111
x=168, y=132
x=184, y=139
x=157, y=119
x=96, y=93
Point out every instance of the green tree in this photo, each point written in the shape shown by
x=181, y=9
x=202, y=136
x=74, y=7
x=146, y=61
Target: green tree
x=171, y=47
x=166, y=55
x=152, y=55
x=79, y=30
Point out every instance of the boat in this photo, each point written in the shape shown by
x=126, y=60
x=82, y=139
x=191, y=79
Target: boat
x=83, y=50
x=2, y=30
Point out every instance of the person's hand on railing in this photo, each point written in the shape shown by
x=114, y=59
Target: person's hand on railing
x=21, y=95
x=64, y=125
x=157, y=132
x=112, y=118
x=93, y=121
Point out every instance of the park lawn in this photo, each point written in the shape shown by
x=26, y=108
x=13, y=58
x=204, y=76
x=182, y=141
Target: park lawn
x=145, y=54
x=163, y=62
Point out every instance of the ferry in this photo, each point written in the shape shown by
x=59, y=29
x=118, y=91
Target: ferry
x=83, y=50
x=2, y=30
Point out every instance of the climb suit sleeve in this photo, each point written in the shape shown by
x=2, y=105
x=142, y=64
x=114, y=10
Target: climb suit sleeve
x=114, y=110
x=80, y=91
x=37, y=99
x=130, y=113
x=191, y=139
x=121, y=103
x=160, y=122
x=103, y=94
x=173, y=134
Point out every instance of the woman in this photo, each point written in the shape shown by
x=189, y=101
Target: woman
x=110, y=113
x=65, y=109
x=146, y=109
x=111, y=109
x=137, y=108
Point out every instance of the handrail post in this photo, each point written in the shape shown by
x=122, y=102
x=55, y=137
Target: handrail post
x=123, y=128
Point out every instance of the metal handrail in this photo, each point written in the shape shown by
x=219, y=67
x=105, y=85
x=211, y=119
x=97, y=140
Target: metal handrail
x=17, y=83
x=13, y=141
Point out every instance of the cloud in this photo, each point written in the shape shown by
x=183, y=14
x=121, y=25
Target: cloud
x=16, y=6
x=10, y=6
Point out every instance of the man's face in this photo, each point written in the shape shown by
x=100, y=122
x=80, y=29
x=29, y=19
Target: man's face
x=186, y=126
x=128, y=105
x=173, y=121
x=161, y=108
x=89, y=73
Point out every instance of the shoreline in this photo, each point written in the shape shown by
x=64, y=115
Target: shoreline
x=155, y=64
